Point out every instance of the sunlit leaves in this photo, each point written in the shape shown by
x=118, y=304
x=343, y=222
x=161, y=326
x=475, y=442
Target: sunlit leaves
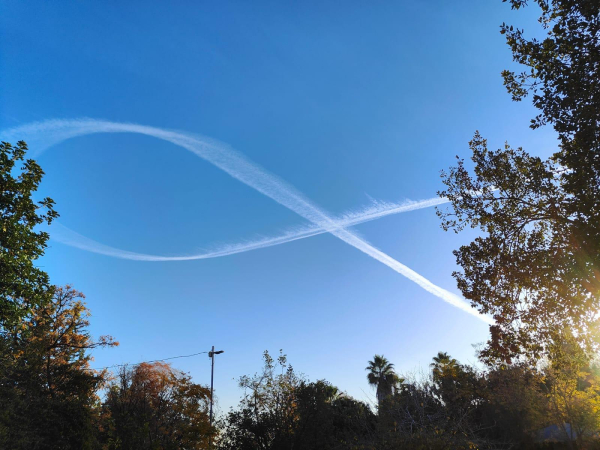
x=535, y=267
x=152, y=405
x=21, y=282
x=48, y=393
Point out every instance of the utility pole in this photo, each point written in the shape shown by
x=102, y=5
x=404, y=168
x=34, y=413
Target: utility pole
x=211, y=355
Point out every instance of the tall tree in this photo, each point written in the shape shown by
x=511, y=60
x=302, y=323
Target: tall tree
x=22, y=284
x=47, y=390
x=536, y=267
x=382, y=376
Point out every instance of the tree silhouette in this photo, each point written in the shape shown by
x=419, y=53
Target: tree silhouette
x=534, y=265
x=382, y=376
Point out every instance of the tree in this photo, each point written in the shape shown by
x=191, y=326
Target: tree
x=153, y=406
x=281, y=410
x=535, y=268
x=454, y=384
x=461, y=391
x=443, y=364
x=22, y=284
x=329, y=419
x=47, y=389
x=563, y=73
x=267, y=417
x=382, y=376
x=444, y=411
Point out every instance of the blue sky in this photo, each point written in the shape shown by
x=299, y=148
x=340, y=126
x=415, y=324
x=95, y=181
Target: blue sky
x=346, y=102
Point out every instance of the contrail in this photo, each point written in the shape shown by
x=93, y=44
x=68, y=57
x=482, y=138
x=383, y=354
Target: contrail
x=239, y=167
x=65, y=235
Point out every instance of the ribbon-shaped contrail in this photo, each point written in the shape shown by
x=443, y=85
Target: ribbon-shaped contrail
x=65, y=235
x=239, y=167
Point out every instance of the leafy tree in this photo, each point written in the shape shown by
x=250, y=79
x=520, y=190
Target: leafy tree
x=535, y=268
x=280, y=410
x=457, y=407
x=382, y=376
x=153, y=406
x=461, y=390
x=47, y=389
x=453, y=383
x=563, y=73
x=22, y=284
x=266, y=418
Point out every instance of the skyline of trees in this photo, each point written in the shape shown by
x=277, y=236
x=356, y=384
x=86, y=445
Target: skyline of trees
x=49, y=397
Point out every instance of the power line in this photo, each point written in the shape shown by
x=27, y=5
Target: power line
x=147, y=362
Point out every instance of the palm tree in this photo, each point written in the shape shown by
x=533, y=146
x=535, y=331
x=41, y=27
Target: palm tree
x=443, y=364
x=382, y=376
x=449, y=379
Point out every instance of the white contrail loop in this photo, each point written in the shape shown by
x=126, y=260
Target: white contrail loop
x=249, y=173
x=64, y=235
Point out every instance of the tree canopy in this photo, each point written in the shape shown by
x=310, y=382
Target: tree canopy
x=153, y=406
x=536, y=266
x=48, y=392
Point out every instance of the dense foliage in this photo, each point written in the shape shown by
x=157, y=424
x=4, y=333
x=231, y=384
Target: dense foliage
x=282, y=410
x=154, y=406
x=21, y=282
x=48, y=394
x=455, y=406
x=536, y=266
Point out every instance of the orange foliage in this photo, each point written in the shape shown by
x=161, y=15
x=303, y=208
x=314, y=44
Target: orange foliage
x=154, y=404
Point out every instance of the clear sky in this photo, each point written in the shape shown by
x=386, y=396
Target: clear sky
x=348, y=102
